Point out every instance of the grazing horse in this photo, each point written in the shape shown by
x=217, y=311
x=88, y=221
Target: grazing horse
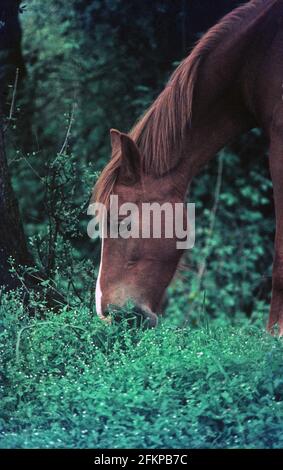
x=231, y=82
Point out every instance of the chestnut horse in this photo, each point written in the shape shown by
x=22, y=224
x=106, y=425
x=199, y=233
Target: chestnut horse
x=231, y=82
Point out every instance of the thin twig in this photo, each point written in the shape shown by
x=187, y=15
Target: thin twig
x=53, y=221
x=67, y=136
x=18, y=276
x=12, y=107
x=203, y=265
x=14, y=95
x=207, y=247
x=22, y=157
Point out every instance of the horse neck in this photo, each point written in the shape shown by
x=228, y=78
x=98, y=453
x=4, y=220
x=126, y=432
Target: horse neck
x=211, y=134
x=221, y=107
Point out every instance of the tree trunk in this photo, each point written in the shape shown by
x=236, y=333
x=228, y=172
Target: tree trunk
x=12, y=238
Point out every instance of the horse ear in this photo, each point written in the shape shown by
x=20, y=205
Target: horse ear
x=130, y=169
x=115, y=137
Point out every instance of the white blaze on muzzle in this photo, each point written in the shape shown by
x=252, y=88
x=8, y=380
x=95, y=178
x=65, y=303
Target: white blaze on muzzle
x=98, y=291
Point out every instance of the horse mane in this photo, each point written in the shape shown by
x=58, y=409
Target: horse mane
x=159, y=133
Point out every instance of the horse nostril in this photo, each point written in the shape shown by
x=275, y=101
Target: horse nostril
x=134, y=316
x=147, y=317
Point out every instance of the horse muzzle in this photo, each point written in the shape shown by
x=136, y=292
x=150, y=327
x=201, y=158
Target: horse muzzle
x=136, y=315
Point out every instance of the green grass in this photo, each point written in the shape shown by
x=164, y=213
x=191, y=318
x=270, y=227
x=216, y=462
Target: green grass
x=71, y=381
